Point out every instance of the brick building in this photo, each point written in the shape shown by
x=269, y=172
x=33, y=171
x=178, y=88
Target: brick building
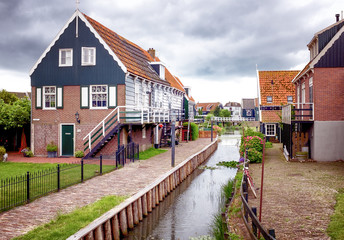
x=317, y=121
x=275, y=90
x=91, y=87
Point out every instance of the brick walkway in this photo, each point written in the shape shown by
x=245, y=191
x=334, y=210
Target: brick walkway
x=125, y=181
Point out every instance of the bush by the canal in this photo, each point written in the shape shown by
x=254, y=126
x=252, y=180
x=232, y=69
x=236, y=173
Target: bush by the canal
x=253, y=141
x=193, y=130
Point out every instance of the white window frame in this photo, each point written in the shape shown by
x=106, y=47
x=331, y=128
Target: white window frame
x=66, y=64
x=288, y=100
x=49, y=94
x=267, y=99
x=95, y=93
x=137, y=93
x=87, y=59
x=303, y=93
x=268, y=132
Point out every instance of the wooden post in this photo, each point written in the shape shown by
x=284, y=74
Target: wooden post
x=144, y=205
x=153, y=198
x=139, y=206
x=107, y=230
x=149, y=201
x=135, y=213
x=98, y=233
x=123, y=222
x=254, y=227
x=115, y=228
x=157, y=195
x=89, y=236
x=130, y=216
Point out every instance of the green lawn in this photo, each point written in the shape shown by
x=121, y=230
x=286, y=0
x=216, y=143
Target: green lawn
x=67, y=224
x=151, y=152
x=43, y=179
x=336, y=227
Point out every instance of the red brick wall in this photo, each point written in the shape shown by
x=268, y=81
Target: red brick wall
x=47, y=128
x=328, y=89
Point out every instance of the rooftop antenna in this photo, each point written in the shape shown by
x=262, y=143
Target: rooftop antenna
x=77, y=2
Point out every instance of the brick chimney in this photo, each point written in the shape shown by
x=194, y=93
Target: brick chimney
x=337, y=17
x=151, y=52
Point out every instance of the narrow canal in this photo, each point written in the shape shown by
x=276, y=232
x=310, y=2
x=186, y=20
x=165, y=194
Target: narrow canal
x=188, y=211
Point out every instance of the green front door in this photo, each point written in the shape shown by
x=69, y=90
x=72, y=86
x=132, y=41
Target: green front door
x=67, y=140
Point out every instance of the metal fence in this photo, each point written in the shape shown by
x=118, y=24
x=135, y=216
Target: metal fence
x=22, y=189
x=130, y=151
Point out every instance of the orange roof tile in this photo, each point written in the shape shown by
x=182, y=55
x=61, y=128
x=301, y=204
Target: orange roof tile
x=276, y=84
x=173, y=80
x=135, y=59
x=207, y=106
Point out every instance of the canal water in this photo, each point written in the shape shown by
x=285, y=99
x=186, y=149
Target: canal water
x=188, y=211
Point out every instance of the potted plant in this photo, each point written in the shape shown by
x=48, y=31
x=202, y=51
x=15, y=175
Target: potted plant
x=52, y=150
x=2, y=153
x=27, y=152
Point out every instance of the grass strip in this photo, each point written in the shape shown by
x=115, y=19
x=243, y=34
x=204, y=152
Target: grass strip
x=151, y=152
x=336, y=227
x=67, y=224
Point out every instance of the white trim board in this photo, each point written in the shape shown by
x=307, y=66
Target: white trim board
x=77, y=13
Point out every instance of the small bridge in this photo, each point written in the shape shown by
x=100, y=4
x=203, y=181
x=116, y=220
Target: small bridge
x=233, y=119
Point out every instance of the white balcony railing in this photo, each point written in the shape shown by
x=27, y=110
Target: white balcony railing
x=298, y=112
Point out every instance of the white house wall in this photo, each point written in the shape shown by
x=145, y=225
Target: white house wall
x=129, y=91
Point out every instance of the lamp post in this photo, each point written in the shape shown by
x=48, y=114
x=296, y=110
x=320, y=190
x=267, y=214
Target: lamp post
x=77, y=117
x=173, y=141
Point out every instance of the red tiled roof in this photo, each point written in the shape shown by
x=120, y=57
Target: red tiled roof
x=174, y=81
x=280, y=89
x=271, y=116
x=207, y=106
x=135, y=59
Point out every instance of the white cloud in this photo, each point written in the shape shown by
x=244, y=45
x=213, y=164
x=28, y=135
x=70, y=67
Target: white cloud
x=14, y=81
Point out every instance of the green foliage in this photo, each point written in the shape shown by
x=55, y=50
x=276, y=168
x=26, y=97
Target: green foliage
x=2, y=152
x=79, y=154
x=253, y=141
x=15, y=114
x=218, y=229
x=209, y=117
x=200, y=112
x=227, y=190
x=268, y=144
x=231, y=164
x=193, y=130
x=204, y=237
x=336, y=227
x=225, y=113
x=51, y=147
x=150, y=152
x=216, y=111
x=8, y=98
x=67, y=224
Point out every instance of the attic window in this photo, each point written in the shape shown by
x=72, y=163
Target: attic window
x=162, y=72
x=66, y=57
x=269, y=99
x=289, y=99
x=88, y=56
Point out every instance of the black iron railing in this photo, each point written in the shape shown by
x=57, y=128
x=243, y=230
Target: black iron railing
x=131, y=152
x=22, y=189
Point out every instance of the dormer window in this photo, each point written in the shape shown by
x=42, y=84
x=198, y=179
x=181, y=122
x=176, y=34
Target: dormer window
x=88, y=56
x=66, y=57
x=159, y=68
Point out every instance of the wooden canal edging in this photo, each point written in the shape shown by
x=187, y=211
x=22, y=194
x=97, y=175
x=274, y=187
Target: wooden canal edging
x=129, y=213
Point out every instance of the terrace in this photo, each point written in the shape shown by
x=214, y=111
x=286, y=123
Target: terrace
x=298, y=112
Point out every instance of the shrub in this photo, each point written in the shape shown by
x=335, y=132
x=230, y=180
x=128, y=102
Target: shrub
x=193, y=130
x=268, y=145
x=79, y=154
x=2, y=152
x=51, y=147
x=254, y=156
x=29, y=153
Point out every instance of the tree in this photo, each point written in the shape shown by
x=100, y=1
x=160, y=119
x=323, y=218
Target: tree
x=225, y=113
x=200, y=112
x=16, y=114
x=8, y=98
x=216, y=111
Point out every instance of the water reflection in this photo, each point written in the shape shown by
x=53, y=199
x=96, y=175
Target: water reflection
x=188, y=210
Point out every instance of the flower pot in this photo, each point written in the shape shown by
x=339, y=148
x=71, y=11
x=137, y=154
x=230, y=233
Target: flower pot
x=52, y=154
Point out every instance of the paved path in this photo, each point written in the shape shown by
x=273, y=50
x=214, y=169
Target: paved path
x=299, y=198
x=125, y=181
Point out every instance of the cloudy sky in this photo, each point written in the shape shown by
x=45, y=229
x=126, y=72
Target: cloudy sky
x=213, y=46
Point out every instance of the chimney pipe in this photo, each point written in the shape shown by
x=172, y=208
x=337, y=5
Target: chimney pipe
x=151, y=52
x=337, y=17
